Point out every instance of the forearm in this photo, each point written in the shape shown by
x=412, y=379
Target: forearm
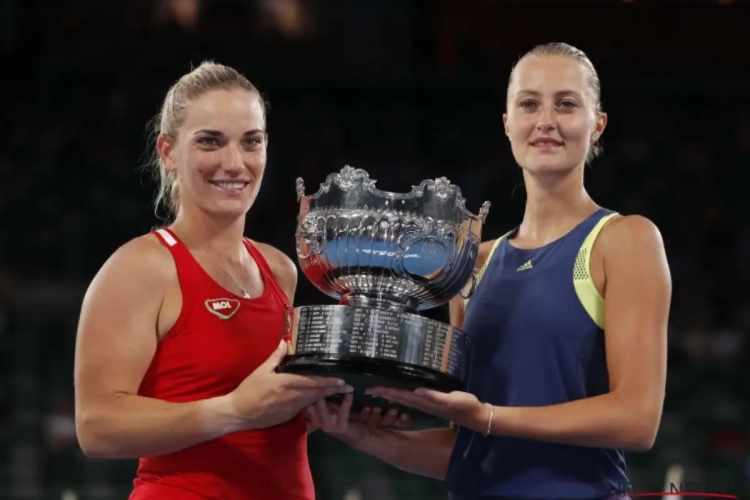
x=426, y=453
x=605, y=421
x=134, y=426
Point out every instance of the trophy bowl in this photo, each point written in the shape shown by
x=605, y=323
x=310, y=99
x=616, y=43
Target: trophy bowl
x=385, y=257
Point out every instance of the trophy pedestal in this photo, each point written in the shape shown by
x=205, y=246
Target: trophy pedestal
x=369, y=347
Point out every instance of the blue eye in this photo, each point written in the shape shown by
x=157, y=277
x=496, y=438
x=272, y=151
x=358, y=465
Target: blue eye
x=207, y=141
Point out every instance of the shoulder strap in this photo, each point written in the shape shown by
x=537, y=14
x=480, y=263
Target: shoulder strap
x=481, y=271
x=183, y=259
x=586, y=290
x=267, y=273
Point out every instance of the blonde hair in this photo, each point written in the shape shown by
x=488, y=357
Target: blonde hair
x=207, y=77
x=566, y=50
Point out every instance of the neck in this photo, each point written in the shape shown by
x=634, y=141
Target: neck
x=201, y=232
x=554, y=204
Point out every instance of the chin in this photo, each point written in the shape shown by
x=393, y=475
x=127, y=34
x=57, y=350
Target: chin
x=550, y=166
x=229, y=210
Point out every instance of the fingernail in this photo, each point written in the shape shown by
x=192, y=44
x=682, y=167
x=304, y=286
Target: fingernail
x=419, y=391
x=340, y=382
x=347, y=388
x=282, y=343
x=392, y=413
x=376, y=410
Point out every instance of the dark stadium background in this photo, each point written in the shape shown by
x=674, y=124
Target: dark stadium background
x=408, y=90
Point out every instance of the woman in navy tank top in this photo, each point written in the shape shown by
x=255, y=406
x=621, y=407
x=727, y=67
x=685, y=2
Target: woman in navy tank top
x=568, y=322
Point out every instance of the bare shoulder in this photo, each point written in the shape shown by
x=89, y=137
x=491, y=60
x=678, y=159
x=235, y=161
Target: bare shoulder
x=631, y=248
x=143, y=259
x=281, y=265
x=630, y=231
x=142, y=266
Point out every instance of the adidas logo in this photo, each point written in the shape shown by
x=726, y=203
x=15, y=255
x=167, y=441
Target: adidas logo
x=525, y=266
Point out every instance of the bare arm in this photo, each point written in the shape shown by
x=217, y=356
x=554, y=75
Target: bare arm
x=425, y=453
x=636, y=306
x=116, y=341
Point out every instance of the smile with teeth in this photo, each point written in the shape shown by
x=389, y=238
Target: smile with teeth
x=229, y=184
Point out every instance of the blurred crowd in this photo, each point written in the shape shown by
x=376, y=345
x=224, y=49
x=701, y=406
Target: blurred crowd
x=72, y=189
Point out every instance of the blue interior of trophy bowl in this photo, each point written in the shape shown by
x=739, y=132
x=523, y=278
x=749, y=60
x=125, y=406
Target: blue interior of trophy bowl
x=422, y=260
x=355, y=240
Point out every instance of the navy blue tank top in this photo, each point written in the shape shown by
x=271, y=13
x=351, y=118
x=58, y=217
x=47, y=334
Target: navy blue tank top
x=535, y=321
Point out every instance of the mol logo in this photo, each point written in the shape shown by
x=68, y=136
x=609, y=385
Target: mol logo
x=223, y=308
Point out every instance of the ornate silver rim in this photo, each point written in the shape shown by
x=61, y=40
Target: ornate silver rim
x=349, y=177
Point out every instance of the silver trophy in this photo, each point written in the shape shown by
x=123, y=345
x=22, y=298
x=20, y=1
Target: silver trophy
x=384, y=257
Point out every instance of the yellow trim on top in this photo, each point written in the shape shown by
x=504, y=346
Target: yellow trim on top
x=588, y=295
x=484, y=266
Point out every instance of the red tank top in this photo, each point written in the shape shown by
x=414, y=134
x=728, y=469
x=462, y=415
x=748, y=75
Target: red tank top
x=217, y=341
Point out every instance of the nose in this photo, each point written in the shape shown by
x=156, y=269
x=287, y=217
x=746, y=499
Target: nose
x=234, y=162
x=546, y=119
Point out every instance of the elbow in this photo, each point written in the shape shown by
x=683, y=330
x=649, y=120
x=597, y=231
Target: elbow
x=642, y=432
x=90, y=437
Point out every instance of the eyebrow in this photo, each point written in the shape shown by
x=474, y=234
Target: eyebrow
x=560, y=93
x=216, y=133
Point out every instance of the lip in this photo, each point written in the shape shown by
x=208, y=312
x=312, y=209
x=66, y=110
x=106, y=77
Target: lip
x=546, y=142
x=229, y=190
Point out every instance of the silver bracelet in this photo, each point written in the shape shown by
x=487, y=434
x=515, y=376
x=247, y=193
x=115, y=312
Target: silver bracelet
x=489, y=422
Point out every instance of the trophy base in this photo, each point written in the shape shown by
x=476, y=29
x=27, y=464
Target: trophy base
x=370, y=347
x=363, y=373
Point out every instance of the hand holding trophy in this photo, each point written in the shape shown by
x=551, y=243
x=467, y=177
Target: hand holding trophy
x=385, y=257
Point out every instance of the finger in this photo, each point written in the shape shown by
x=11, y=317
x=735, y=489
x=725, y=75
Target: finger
x=304, y=382
x=342, y=418
x=390, y=418
x=364, y=415
x=313, y=417
x=436, y=397
x=376, y=415
x=276, y=357
x=325, y=416
x=386, y=392
x=407, y=398
x=403, y=422
x=321, y=394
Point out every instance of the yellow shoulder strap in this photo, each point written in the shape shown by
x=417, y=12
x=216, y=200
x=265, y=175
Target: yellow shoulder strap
x=484, y=266
x=588, y=295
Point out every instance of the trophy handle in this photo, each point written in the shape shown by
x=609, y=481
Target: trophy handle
x=473, y=286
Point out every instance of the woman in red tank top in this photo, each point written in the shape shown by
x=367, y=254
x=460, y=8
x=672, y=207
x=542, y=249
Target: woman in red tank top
x=182, y=328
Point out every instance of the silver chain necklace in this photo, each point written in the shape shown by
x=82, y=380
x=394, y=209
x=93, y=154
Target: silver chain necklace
x=243, y=290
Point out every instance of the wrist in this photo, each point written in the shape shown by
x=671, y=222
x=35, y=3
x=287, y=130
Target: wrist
x=483, y=421
x=368, y=441
x=222, y=416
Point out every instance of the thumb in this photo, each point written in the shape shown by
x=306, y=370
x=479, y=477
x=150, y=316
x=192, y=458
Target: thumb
x=277, y=356
x=433, y=396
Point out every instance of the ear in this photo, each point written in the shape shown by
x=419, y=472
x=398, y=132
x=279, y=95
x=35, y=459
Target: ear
x=505, y=124
x=165, y=149
x=601, y=124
